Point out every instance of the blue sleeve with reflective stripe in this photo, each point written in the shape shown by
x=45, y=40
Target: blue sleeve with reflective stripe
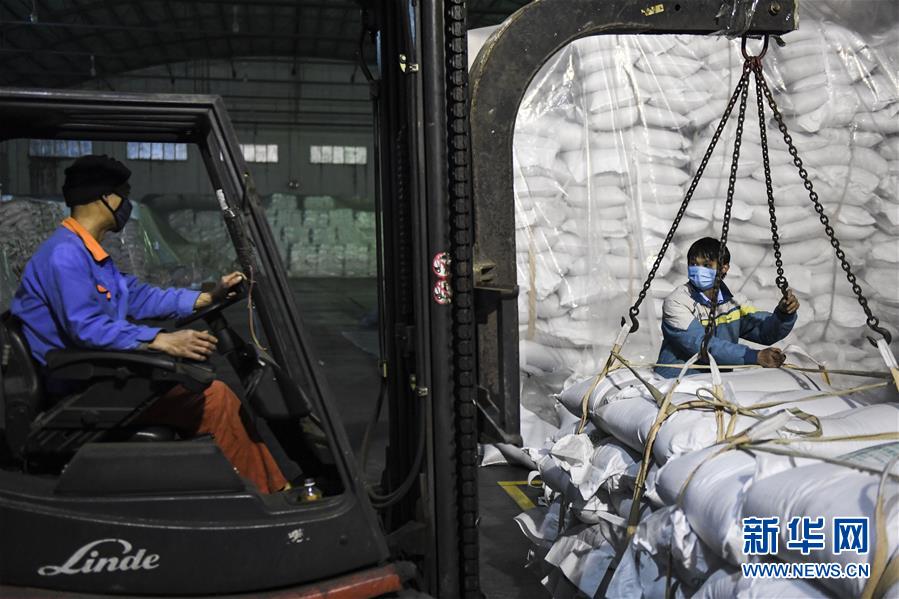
x=76, y=303
x=687, y=342
x=146, y=301
x=765, y=328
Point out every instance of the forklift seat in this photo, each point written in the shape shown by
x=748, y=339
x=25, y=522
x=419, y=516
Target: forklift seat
x=109, y=391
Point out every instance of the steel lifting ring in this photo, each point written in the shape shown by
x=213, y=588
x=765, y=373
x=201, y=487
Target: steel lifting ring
x=746, y=54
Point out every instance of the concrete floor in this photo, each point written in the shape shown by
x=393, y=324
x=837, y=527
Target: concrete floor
x=332, y=311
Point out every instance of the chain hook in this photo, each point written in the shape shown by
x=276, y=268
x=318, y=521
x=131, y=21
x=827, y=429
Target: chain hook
x=887, y=336
x=635, y=324
x=759, y=56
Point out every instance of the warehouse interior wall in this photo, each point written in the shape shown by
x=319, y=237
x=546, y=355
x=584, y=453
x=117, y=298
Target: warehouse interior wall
x=270, y=101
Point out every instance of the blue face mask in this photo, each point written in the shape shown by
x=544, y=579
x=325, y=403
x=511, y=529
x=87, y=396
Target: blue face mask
x=702, y=277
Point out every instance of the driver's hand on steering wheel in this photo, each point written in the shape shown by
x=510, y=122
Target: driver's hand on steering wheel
x=220, y=291
x=188, y=343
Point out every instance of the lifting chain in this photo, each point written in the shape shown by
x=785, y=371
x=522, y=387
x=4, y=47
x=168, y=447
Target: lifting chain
x=872, y=321
x=634, y=311
x=710, y=325
x=781, y=280
x=753, y=66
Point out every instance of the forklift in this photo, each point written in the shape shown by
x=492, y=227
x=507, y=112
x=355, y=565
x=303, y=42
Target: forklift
x=90, y=502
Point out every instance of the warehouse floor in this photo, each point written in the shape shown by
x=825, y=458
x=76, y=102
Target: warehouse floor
x=333, y=310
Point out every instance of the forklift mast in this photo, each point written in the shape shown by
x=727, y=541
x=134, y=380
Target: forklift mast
x=427, y=295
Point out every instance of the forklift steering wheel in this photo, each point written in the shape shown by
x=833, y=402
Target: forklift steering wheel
x=240, y=293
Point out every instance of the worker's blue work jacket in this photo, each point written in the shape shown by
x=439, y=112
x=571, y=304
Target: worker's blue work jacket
x=685, y=314
x=72, y=295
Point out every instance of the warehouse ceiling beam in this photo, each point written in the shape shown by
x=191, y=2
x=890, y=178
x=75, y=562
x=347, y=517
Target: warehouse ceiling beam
x=40, y=66
x=296, y=30
x=111, y=10
x=97, y=5
x=165, y=28
x=345, y=51
x=264, y=80
x=39, y=6
x=228, y=41
x=198, y=20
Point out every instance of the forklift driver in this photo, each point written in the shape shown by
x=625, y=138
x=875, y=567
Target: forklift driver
x=72, y=295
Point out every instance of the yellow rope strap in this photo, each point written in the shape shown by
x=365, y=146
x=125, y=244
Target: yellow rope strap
x=822, y=370
x=585, y=400
x=713, y=399
x=883, y=575
x=610, y=365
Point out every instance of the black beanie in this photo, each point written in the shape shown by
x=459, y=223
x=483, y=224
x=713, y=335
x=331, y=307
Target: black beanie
x=91, y=177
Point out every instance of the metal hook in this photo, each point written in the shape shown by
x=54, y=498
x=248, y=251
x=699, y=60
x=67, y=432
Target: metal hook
x=887, y=336
x=635, y=324
x=746, y=54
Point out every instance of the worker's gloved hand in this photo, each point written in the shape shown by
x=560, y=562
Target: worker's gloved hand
x=190, y=344
x=771, y=357
x=789, y=304
x=220, y=291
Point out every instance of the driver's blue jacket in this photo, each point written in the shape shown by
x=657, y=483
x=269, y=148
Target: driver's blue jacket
x=72, y=295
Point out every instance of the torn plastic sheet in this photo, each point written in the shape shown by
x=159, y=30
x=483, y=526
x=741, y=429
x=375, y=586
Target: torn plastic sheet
x=584, y=557
x=541, y=524
x=498, y=454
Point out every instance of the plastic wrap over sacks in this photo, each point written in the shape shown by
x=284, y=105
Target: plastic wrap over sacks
x=607, y=140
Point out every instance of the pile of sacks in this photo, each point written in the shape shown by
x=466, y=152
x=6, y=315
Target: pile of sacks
x=321, y=240
x=608, y=139
x=24, y=224
x=799, y=448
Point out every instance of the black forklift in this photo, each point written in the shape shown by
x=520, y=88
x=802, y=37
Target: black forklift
x=92, y=502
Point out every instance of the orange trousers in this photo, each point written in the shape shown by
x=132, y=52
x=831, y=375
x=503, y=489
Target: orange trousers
x=216, y=411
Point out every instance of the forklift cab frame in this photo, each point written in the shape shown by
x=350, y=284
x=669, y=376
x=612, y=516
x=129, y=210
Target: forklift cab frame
x=447, y=288
x=180, y=505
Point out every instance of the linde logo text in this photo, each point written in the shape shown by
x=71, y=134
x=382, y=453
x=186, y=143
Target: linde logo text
x=90, y=559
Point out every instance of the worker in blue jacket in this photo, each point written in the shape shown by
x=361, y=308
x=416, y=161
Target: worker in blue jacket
x=686, y=311
x=72, y=295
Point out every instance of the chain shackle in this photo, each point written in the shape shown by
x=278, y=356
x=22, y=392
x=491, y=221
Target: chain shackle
x=634, y=310
x=872, y=321
x=757, y=57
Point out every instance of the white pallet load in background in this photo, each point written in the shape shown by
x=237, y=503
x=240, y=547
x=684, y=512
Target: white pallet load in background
x=607, y=140
x=24, y=224
x=321, y=240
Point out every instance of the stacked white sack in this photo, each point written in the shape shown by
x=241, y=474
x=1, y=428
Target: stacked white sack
x=839, y=96
x=602, y=157
x=696, y=490
x=607, y=140
x=599, y=152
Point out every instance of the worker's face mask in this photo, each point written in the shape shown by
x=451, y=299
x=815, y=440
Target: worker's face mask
x=702, y=277
x=121, y=214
